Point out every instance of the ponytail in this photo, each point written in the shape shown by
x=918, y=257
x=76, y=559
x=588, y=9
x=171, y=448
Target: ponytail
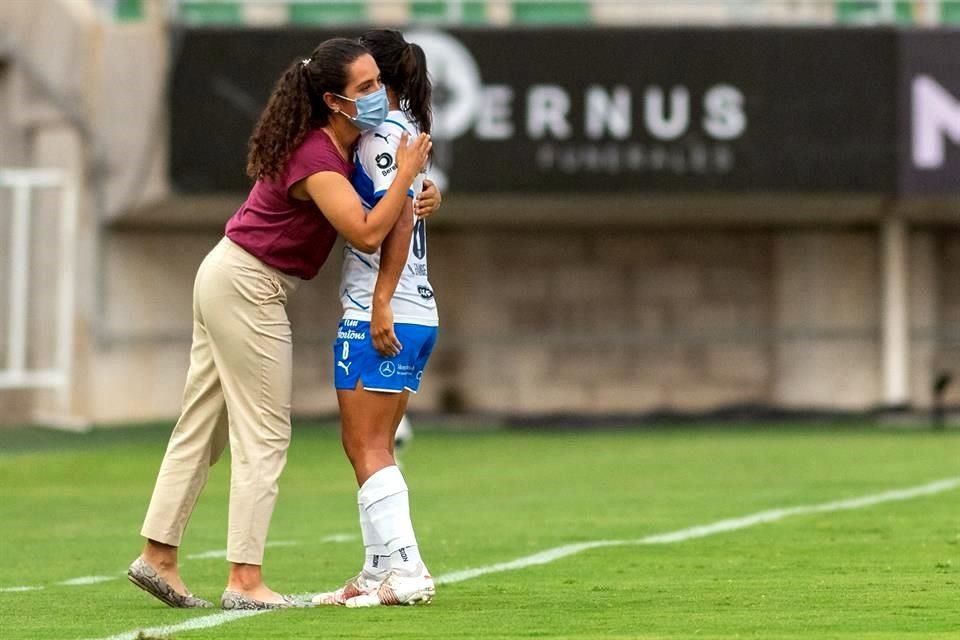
x=403, y=68
x=282, y=126
x=419, y=90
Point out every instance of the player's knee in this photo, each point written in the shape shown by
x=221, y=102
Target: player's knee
x=366, y=450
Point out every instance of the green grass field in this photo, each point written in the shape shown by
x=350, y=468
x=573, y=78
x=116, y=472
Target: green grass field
x=71, y=506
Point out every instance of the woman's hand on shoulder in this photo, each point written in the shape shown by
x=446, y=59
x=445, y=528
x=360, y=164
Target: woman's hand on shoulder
x=412, y=156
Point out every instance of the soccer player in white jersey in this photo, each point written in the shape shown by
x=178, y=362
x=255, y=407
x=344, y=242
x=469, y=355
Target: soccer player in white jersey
x=388, y=330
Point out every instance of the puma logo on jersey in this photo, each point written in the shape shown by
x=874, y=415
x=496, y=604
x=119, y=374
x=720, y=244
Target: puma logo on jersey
x=385, y=136
x=345, y=366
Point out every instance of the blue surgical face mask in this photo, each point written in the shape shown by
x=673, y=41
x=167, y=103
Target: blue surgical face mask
x=372, y=109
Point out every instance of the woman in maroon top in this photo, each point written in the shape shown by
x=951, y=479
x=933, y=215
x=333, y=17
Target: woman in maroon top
x=239, y=384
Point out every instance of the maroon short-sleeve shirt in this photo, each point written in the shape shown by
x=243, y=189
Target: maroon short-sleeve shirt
x=287, y=234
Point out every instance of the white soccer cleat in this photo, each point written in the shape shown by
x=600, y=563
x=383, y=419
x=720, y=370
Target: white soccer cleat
x=398, y=590
x=361, y=584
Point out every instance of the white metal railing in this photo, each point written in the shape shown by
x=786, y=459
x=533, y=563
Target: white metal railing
x=15, y=372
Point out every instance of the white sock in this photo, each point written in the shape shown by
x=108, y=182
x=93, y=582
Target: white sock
x=385, y=499
x=376, y=558
x=406, y=560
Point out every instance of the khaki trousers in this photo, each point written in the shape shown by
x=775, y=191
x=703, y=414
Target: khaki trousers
x=238, y=390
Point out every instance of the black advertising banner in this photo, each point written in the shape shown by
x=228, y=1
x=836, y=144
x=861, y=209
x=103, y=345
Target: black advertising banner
x=929, y=106
x=591, y=110
x=666, y=110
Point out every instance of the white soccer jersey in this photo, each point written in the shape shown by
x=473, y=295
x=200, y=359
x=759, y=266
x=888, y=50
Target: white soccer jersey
x=375, y=168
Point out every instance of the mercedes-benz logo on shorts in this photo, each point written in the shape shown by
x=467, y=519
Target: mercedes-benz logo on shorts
x=457, y=87
x=387, y=369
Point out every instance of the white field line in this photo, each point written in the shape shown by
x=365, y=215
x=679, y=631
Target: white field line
x=203, y=622
x=85, y=580
x=544, y=557
x=222, y=553
x=721, y=526
x=556, y=553
x=339, y=537
x=779, y=514
x=204, y=555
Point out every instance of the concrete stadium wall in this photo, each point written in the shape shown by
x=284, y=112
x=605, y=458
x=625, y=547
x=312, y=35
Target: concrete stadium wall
x=574, y=320
x=644, y=319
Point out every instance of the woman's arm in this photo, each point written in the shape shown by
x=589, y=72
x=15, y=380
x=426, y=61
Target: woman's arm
x=393, y=257
x=338, y=201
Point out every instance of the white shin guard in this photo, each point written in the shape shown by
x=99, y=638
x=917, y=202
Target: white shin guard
x=385, y=501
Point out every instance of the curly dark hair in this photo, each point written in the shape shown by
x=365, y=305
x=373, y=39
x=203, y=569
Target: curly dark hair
x=403, y=68
x=296, y=105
